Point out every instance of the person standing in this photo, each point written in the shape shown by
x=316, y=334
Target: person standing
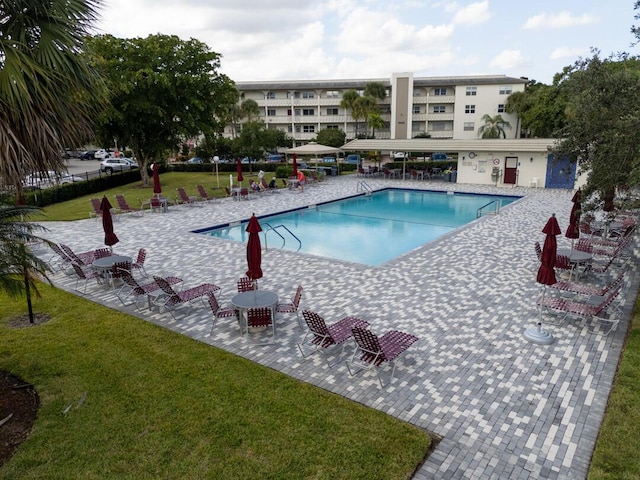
x=301, y=180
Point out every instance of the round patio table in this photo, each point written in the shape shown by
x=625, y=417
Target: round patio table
x=254, y=299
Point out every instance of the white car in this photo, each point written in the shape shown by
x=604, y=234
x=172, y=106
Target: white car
x=49, y=178
x=101, y=154
x=110, y=165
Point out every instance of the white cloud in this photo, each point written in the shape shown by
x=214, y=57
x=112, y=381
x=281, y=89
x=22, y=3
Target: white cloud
x=561, y=53
x=473, y=14
x=559, y=20
x=508, y=59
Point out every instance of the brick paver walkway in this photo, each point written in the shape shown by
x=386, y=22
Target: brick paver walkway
x=505, y=408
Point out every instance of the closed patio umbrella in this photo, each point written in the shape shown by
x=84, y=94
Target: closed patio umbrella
x=546, y=273
x=254, y=249
x=240, y=172
x=295, y=165
x=573, y=230
x=157, y=189
x=110, y=237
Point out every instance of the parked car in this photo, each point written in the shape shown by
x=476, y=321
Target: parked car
x=101, y=154
x=353, y=158
x=328, y=159
x=275, y=157
x=49, y=178
x=195, y=160
x=88, y=155
x=109, y=165
x=399, y=155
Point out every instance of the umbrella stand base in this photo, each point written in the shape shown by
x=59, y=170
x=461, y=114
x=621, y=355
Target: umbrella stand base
x=538, y=336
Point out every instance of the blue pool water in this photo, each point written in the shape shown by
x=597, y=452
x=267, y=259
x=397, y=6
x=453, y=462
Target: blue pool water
x=370, y=229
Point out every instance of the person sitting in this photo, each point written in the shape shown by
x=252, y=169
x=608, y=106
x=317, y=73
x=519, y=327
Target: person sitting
x=272, y=183
x=254, y=186
x=301, y=180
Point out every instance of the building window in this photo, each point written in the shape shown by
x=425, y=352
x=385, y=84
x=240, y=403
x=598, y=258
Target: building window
x=439, y=109
x=309, y=128
x=332, y=94
x=289, y=129
x=271, y=95
x=271, y=112
x=469, y=109
x=308, y=95
x=289, y=111
x=297, y=112
x=469, y=126
x=416, y=109
x=332, y=127
x=438, y=126
x=501, y=108
x=308, y=111
x=439, y=91
x=472, y=91
x=506, y=90
x=332, y=111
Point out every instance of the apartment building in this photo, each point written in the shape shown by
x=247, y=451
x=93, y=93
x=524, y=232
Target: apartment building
x=442, y=107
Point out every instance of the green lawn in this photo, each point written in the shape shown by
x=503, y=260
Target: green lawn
x=616, y=456
x=161, y=405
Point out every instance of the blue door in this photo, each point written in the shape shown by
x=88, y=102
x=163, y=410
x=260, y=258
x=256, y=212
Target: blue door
x=561, y=173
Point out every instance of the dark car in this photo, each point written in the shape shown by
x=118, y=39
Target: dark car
x=88, y=155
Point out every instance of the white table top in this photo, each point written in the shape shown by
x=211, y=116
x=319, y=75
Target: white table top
x=108, y=262
x=575, y=255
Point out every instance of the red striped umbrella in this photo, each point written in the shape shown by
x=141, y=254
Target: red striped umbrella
x=546, y=273
x=110, y=238
x=240, y=172
x=254, y=249
x=157, y=189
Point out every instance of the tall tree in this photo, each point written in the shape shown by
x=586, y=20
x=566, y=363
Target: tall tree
x=493, y=126
x=375, y=120
x=331, y=137
x=162, y=89
x=603, y=125
x=349, y=102
x=20, y=268
x=249, y=108
x=540, y=108
x=376, y=90
x=47, y=90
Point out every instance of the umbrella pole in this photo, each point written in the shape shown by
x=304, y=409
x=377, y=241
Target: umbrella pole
x=544, y=290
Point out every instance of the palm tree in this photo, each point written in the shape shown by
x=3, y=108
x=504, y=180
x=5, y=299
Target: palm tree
x=374, y=120
x=493, y=127
x=249, y=109
x=19, y=267
x=48, y=94
x=348, y=102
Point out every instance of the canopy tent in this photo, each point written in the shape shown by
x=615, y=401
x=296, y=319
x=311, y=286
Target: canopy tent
x=313, y=148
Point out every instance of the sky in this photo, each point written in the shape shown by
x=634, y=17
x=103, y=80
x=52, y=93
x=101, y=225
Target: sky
x=362, y=39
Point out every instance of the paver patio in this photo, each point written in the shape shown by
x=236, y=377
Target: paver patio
x=505, y=408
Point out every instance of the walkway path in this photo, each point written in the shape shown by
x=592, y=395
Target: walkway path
x=505, y=408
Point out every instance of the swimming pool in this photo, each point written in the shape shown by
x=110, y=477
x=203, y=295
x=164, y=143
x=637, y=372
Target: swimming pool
x=368, y=229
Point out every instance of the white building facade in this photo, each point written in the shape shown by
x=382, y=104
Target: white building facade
x=442, y=107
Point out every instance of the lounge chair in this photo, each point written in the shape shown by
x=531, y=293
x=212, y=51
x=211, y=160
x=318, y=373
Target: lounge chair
x=323, y=336
x=265, y=187
x=204, y=196
x=138, y=264
x=172, y=299
x=86, y=275
x=220, y=312
x=184, y=198
x=293, y=306
x=587, y=310
x=586, y=289
x=97, y=211
x=131, y=289
x=125, y=208
x=84, y=259
x=59, y=260
x=245, y=284
x=373, y=351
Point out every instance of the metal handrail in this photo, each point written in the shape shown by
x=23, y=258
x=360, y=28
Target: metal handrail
x=496, y=210
x=363, y=186
x=274, y=229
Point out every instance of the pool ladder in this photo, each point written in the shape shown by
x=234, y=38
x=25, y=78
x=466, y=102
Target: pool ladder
x=483, y=210
x=364, y=187
x=271, y=228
